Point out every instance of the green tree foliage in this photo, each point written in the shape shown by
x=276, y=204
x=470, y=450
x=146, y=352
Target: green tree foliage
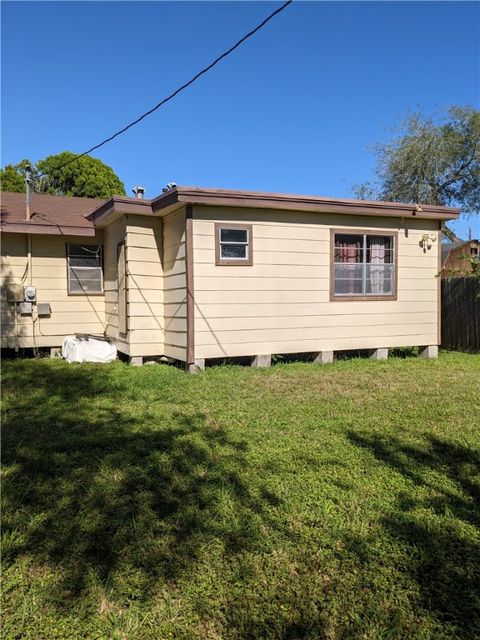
x=88, y=177
x=434, y=160
x=12, y=177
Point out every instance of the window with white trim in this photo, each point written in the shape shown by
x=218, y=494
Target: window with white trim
x=233, y=244
x=364, y=265
x=84, y=270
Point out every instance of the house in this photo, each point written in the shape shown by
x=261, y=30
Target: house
x=196, y=273
x=460, y=256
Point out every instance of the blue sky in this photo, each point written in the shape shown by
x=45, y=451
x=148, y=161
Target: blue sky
x=294, y=110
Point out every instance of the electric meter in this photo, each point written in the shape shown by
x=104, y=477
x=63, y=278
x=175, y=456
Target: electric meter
x=30, y=293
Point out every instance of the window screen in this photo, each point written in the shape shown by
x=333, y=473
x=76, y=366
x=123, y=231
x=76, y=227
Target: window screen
x=233, y=244
x=85, y=268
x=364, y=265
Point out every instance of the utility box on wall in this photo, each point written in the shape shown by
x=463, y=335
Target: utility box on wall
x=25, y=308
x=44, y=309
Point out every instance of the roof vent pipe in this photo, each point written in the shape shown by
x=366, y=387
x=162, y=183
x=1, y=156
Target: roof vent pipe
x=139, y=191
x=169, y=187
x=28, y=179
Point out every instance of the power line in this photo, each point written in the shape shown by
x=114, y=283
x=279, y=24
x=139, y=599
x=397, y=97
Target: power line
x=175, y=93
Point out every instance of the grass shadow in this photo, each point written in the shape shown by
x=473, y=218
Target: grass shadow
x=115, y=496
x=437, y=524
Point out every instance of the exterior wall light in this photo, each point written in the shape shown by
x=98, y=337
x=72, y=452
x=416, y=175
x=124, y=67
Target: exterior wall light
x=427, y=241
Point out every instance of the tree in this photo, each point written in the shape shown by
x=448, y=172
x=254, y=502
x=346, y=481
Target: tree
x=88, y=177
x=432, y=161
x=12, y=177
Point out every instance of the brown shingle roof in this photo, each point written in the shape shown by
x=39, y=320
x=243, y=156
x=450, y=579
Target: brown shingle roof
x=49, y=214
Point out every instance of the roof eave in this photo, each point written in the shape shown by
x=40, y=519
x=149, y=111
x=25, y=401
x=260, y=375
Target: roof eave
x=218, y=197
x=44, y=229
x=183, y=195
x=119, y=206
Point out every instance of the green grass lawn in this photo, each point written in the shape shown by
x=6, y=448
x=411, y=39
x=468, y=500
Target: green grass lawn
x=294, y=502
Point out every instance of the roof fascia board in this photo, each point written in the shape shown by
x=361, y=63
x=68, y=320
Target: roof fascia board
x=192, y=195
x=41, y=229
x=320, y=207
x=120, y=206
x=165, y=200
x=165, y=204
x=299, y=197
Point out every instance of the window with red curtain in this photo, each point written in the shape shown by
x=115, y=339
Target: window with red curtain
x=364, y=265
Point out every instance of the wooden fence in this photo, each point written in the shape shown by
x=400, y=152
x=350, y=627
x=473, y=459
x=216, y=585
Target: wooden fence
x=461, y=314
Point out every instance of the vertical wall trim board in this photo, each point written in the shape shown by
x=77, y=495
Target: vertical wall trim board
x=190, y=289
x=122, y=309
x=127, y=278
x=439, y=285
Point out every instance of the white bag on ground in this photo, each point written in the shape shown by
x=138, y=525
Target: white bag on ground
x=76, y=349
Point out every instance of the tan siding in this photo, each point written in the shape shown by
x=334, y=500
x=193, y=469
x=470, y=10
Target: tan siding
x=174, y=252
x=143, y=283
x=142, y=348
x=145, y=309
x=313, y=322
x=282, y=310
x=282, y=304
x=176, y=352
x=77, y=305
x=143, y=255
x=175, y=324
x=312, y=335
x=219, y=350
x=92, y=314
x=141, y=240
x=145, y=286
x=175, y=286
x=150, y=321
x=155, y=296
x=174, y=281
x=175, y=267
x=175, y=311
x=240, y=297
x=113, y=235
x=70, y=314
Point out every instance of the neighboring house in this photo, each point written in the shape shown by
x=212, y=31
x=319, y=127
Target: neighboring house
x=199, y=273
x=460, y=256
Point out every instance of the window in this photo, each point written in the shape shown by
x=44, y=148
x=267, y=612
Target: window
x=363, y=266
x=84, y=268
x=233, y=244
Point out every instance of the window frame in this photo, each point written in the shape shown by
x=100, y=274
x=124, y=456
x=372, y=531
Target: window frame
x=67, y=253
x=362, y=297
x=233, y=262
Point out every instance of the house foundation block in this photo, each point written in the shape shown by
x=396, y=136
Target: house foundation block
x=55, y=352
x=261, y=361
x=196, y=366
x=136, y=361
x=429, y=352
x=324, y=357
x=379, y=354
